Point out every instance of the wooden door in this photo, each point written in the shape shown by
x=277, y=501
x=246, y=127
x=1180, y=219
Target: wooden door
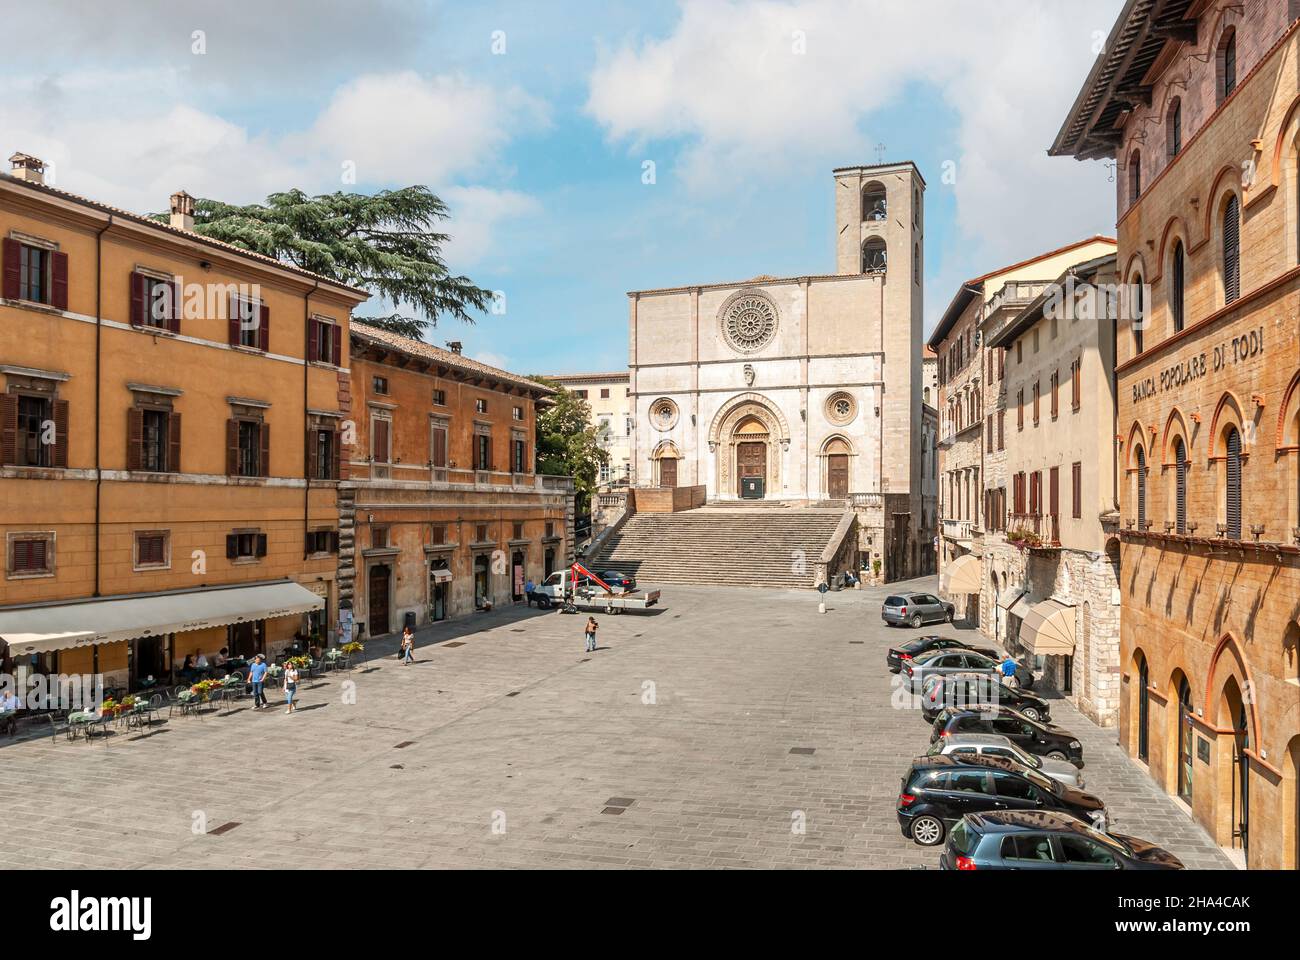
x=837, y=476
x=668, y=472
x=751, y=461
x=378, y=598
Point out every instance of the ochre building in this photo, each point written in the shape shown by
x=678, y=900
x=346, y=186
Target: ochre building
x=1199, y=106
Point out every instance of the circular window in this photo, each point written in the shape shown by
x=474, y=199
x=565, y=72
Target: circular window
x=663, y=414
x=841, y=408
x=748, y=320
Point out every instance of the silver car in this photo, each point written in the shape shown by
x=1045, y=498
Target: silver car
x=915, y=609
x=943, y=662
x=991, y=744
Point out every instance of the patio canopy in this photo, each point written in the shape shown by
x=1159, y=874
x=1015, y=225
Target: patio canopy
x=961, y=575
x=1008, y=597
x=41, y=628
x=1048, y=629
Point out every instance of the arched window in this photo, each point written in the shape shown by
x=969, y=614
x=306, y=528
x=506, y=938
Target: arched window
x=1231, y=249
x=1174, y=128
x=874, y=204
x=1226, y=60
x=1144, y=709
x=1232, y=456
x=916, y=263
x=1180, y=486
x=1141, y=458
x=1134, y=176
x=874, y=255
x=1178, y=285
x=1139, y=319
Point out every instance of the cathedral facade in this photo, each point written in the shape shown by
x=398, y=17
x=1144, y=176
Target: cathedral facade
x=806, y=390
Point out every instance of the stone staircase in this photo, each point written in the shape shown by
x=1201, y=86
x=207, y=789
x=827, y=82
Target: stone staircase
x=722, y=545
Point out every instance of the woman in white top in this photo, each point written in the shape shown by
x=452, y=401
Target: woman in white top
x=290, y=686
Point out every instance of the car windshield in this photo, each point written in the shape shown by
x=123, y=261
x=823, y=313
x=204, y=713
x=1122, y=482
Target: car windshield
x=552, y=580
x=1113, y=842
x=979, y=660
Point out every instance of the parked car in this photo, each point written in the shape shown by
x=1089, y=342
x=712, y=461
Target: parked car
x=616, y=579
x=938, y=662
x=939, y=790
x=915, y=609
x=978, y=689
x=914, y=648
x=1041, y=739
x=994, y=745
x=1045, y=840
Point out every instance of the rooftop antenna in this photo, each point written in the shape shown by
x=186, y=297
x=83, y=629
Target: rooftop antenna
x=880, y=153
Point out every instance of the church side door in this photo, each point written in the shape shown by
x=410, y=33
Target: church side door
x=837, y=476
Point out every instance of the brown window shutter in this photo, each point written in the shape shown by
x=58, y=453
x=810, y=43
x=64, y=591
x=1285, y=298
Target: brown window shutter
x=138, y=306
x=12, y=269
x=313, y=455
x=174, y=443
x=336, y=331
x=233, y=323
x=60, y=433
x=263, y=327
x=174, y=318
x=336, y=445
x=439, y=447
x=264, y=454
x=313, y=340
x=261, y=545
x=8, y=426
x=232, y=546
x=232, y=447
x=381, y=441
x=134, y=438
x=1076, y=481
x=334, y=541
x=59, y=280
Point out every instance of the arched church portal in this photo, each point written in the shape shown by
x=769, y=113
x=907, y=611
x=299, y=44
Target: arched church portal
x=748, y=438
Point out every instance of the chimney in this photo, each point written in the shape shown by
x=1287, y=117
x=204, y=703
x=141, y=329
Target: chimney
x=182, y=211
x=26, y=167
x=455, y=346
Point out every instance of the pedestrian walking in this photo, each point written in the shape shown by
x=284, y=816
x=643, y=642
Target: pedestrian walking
x=290, y=686
x=529, y=589
x=257, y=677
x=408, y=646
x=592, y=627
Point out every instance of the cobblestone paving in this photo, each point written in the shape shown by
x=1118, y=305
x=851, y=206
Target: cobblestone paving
x=525, y=752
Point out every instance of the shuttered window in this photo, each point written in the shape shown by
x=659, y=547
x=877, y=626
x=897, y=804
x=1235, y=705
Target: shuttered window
x=1177, y=286
x=151, y=549
x=1180, y=486
x=1076, y=384
x=1037, y=392
x=1141, y=489
x=31, y=555
x=1139, y=320
x=1056, y=378
x=1002, y=432
x=381, y=448
x=439, y=446
x=1020, y=409
x=1231, y=250
x=1076, y=493
x=1054, y=491
x=1233, y=446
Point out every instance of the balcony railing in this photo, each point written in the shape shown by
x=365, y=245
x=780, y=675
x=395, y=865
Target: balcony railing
x=1046, y=527
x=958, y=529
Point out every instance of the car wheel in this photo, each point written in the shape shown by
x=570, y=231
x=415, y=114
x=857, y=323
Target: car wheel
x=927, y=830
x=916, y=620
x=1057, y=755
x=949, y=615
x=1032, y=713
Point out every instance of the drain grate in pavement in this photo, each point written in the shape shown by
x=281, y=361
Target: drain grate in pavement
x=455, y=643
x=585, y=660
x=859, y=642
x=224, y=828
x=620, y=802
x=803, y=751
x=396, y=766
x=513, y=693
x=518, y=630
x=404, y=743
x=615, y=811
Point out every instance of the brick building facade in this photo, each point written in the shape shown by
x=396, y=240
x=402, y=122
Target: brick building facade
x=1198, y=104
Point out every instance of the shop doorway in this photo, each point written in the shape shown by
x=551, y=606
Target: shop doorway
x=377, y=599
x=517, y=577
x=482, y=582
x=246, y=640
x=148, y=659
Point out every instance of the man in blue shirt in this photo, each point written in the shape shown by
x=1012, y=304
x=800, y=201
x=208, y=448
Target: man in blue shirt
x=1008, y=667
x=257, y=676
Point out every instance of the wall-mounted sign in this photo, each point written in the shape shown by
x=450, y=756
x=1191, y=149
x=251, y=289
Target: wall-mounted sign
x=1203, y=750
x=1192, y=368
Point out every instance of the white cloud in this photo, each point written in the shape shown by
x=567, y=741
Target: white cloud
x=729, y=80
x=476, y=213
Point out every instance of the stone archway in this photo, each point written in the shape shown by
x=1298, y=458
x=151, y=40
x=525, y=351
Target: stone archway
x=748, y=433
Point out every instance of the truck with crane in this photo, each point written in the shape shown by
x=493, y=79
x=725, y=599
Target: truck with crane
x=577, y=588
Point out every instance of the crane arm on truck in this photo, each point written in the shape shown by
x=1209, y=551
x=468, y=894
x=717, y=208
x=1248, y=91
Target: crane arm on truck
x=578, y=570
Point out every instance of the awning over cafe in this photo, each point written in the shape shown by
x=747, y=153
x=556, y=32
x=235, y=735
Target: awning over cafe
x=1048, y=629
x=41, y=628
x=961, y=575
x=1020, y=608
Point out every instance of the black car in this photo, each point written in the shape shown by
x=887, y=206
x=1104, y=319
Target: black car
x=939, y=790
x=1045, y=740
x=961, y=690
x=914, y=648
x=616, y=579
x=1045, y=840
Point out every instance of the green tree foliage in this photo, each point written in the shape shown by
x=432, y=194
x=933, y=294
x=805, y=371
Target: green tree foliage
x=567, y=442
x=383, y=243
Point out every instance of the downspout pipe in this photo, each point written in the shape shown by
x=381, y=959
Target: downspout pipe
x=99, y=328
x=306, y=417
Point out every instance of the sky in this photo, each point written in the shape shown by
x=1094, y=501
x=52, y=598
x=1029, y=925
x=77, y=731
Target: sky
x=585, y=149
